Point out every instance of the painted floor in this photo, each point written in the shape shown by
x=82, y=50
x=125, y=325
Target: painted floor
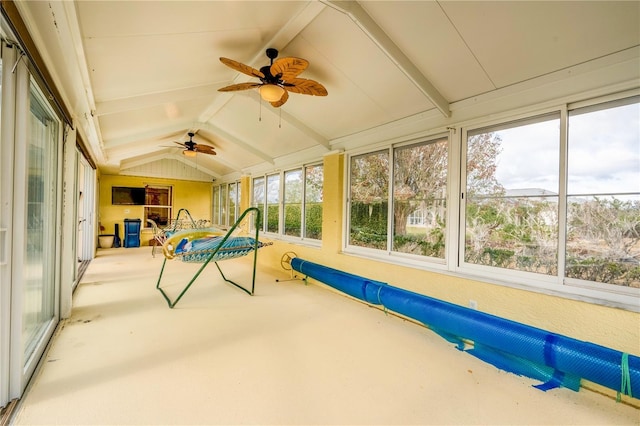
x=293, y=354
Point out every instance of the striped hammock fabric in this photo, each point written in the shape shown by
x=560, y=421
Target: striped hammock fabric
x=196, y=246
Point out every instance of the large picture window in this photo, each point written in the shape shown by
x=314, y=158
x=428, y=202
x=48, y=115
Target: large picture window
x=511, y=208
x=369, y=200
x=419, y=198
x=603, y=194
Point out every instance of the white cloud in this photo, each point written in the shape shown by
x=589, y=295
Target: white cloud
x=604, y=153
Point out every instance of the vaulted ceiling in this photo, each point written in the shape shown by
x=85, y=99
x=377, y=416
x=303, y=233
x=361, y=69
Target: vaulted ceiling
x=139, y=75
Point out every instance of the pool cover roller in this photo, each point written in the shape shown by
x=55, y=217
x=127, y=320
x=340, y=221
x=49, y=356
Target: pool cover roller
x=555, y=359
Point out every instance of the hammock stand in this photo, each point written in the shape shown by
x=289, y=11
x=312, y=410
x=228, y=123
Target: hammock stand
x=224, y=248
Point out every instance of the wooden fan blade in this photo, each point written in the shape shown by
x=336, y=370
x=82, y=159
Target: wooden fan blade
x=305, y=87
x=180, y=143
x=282, y=100
x=204, y=149
x=245, y=69
x=239, y=86
x=289, y=68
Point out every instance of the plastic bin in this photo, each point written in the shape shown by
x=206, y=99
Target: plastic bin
x=132, y=233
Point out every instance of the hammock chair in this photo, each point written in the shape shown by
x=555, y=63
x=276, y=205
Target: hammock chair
x=211, y=244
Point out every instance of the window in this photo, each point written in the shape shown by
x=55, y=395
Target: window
x=293, y=202
x=419, y=198
x=528, y=214
x=369, y=200
x=272, y=218
x=511, y=208
x=301, y=194
x=216, y=207
x=224, y=209
x=233, y=195
x=603, y=194
x=314, y=180
x=158, y=204
x=418, y=201
x=259, y=198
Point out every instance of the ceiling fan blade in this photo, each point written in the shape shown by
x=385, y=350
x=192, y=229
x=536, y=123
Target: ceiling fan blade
x=205, y=149
x=180, y=143
x=245, y=69
x=239, y=86
x=282, y=100
x=289, y=68
x=305, y=87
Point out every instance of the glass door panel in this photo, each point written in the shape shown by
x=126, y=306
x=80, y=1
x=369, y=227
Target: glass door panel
x=40, y=243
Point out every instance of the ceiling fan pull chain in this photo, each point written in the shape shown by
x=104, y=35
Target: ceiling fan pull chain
x=280, y=122
x=260, y=109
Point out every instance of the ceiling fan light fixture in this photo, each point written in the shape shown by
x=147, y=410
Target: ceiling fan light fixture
x=189, y=153
x=271, y=92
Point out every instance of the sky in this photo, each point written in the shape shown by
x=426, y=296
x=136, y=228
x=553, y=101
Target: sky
x=604, y=153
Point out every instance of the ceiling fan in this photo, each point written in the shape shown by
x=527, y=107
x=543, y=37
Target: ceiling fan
x=277, y=79
x=191, y=148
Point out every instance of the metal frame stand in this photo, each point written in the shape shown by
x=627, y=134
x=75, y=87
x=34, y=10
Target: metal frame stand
x=213, y=254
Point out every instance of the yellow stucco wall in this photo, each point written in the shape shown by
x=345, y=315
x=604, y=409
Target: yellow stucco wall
x=193, y=196
x=610, y=327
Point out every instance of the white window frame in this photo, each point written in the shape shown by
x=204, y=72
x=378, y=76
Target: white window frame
x=622, y=297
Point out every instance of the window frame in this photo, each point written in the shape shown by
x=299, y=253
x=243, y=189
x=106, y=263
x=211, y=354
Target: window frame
x=168, y=207
x=388, y=254
x=263, y=205
x=558, y=284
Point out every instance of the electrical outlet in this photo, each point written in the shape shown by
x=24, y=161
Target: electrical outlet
x=473, y=304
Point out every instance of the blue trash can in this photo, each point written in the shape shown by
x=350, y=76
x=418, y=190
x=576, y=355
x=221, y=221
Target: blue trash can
x=132, y=233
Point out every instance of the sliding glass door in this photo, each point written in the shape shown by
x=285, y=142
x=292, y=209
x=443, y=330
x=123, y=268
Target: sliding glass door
x=38, y=267
x=30, y=221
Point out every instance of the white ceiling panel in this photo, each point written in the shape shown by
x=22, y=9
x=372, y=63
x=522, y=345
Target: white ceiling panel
x=517, y=41
x=139, y=74
x=433, y=44
x=126, y=123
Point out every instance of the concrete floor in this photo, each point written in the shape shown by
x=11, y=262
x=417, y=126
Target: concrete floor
x=293, y=354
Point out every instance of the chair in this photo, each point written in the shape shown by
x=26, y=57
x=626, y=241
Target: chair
x=159, y=236
x=211, y=244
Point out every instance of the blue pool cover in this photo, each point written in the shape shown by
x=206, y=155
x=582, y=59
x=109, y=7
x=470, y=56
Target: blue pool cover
x=555, y=359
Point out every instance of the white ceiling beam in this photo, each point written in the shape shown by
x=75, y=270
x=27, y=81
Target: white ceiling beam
x=315, y=136
x=361, y=18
